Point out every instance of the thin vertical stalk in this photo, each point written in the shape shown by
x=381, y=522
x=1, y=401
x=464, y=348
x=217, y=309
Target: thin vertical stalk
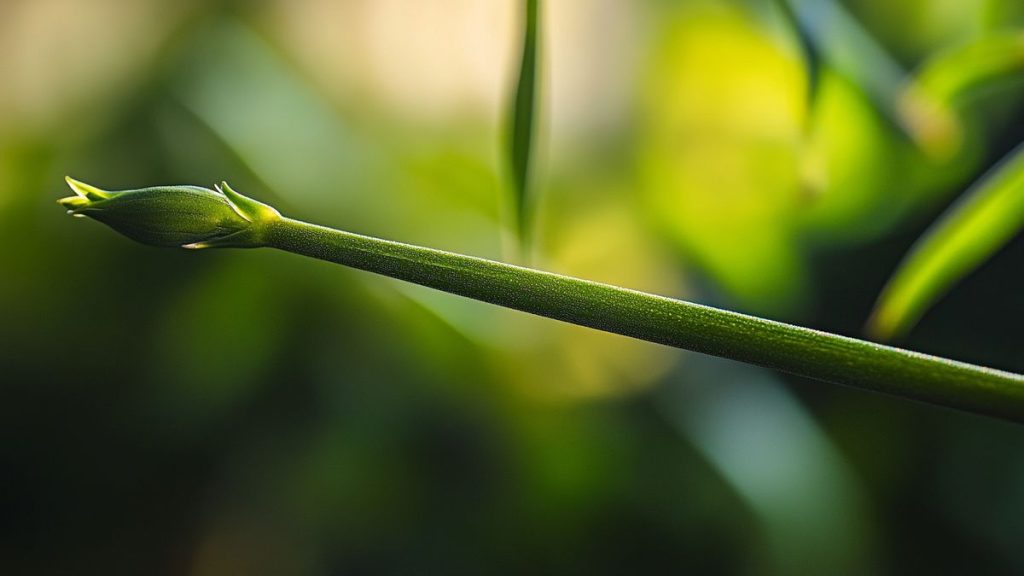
x=521, y=138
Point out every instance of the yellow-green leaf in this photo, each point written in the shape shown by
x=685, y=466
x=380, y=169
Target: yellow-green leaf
x=928, y=105
x=985, y=219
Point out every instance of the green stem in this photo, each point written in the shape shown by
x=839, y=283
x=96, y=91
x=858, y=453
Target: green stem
x=784, y=347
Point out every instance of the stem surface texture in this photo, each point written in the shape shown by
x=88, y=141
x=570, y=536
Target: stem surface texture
x=792, y=349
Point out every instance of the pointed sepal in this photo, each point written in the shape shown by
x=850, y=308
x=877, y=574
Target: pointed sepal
x=251, y=210
x=87, y=191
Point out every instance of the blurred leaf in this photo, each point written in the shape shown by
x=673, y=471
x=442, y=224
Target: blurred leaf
x=985, y=219
x=812, y=59
x=850, y=49
x=771, y=451
x=928, y=104
x=997, y=13
x=523, y=121
x=847, y=166
x=721, y=169
x=956, y=72
x=859, y=179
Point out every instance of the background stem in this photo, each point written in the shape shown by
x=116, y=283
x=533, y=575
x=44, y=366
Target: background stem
x=523, y=124
x=792, y=349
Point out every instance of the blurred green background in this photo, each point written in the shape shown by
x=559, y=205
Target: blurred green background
x=251, y=412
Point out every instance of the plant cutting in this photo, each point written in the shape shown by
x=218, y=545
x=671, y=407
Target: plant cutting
x=196, y=218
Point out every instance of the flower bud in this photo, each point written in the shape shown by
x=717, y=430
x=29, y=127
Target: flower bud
x=185, y=216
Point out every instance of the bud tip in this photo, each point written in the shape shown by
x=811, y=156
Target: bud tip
x=85, y=190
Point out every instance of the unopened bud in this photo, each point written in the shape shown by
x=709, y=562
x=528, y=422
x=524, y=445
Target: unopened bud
x=185, y=216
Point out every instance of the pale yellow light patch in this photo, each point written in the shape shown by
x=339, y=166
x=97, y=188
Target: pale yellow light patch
x=438, y=61
x=428, y=59
x=58, y=57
